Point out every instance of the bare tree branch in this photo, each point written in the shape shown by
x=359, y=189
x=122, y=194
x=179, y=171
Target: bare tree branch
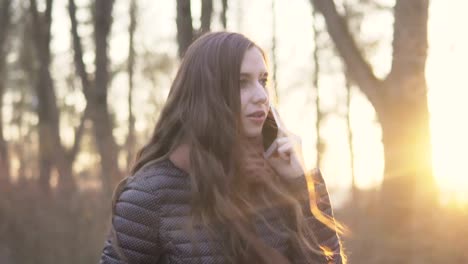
x=79, y=132
x=359, y=69
x=78, y=51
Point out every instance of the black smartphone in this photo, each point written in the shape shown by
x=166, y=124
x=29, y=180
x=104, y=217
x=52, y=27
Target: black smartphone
x=270, y=132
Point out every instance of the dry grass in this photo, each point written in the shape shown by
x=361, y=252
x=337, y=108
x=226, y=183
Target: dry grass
x=437, y=236
x=48, y=229
x=39, y=229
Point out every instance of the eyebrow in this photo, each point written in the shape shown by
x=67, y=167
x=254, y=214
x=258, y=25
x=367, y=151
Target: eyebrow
x=246, y=74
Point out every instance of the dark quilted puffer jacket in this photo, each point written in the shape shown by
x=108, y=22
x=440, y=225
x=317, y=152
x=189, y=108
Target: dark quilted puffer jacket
x=156, y=201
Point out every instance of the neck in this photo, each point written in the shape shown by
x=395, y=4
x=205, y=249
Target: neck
x=180, y=156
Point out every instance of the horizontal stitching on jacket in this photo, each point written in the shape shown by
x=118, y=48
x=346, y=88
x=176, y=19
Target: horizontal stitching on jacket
x=211, y=256
x=153, y=191
x=153, y=174
x=141, y=224
x=326, y=238
x=139, y=238
x=331, y=242
x=138, y=252
x=190, y=242
x=172, y=182
x=118, y=260
x=175, y=203
x=138, y=190
x=173, y=189
x=139, y=206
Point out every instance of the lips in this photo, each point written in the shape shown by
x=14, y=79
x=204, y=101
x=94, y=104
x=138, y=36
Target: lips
x=257, y=114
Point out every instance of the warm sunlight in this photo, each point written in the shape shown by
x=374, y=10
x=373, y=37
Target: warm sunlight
x=446, y=77
x=447, y=81
x=124, y=131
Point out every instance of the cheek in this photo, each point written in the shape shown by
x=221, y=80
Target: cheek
x=244, y=98
x=267, y=96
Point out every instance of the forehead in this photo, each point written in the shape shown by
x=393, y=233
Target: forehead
x=253, y=62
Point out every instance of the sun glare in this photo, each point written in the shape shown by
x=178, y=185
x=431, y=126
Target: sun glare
x=448, y=95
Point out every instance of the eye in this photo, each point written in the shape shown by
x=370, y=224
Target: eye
x=243, y=82
x=264, y=82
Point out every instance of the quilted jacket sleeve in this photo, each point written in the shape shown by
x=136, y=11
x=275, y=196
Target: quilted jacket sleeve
x=136, y=221
x=326, y=237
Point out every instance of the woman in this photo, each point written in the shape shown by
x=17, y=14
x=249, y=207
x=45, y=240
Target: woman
x=202, y=191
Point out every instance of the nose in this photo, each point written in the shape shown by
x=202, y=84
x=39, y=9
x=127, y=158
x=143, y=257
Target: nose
x=260, y=94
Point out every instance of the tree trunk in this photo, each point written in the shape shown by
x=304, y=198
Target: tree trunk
x=51, y=151
x=405, y=116
x=95, y=91
x=4, y=157
x=107, y=148
x=42, y=51
x=206, y=13
x=407, y=152
x=4, y=27
x=354, y=191
x=184, y=26
x=319, y=145
x=27, y=60
x=102, y=122
x=185, y=32
x=223, y=14
x=274, y=60
x=400, y=100
x=131, y=140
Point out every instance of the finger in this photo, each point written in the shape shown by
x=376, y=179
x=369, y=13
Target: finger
x=282, y=132
x=271, y=150
x=296, y=140
x=285, y=150
x=284, y=156
x=282, y=140
x=275, y=157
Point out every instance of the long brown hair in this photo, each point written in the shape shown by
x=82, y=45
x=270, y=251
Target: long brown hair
x=203, y=111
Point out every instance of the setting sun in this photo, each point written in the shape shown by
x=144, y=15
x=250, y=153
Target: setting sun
x=447, y=83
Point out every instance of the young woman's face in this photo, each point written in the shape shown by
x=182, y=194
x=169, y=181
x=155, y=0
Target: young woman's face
x=253, y=92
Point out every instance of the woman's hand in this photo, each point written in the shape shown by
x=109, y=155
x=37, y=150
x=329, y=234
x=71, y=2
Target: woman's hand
x=287, y=160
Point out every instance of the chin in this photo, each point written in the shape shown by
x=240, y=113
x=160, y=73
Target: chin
x=253, y=132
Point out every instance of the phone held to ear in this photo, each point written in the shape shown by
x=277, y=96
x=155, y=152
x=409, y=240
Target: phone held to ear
x=270, y=130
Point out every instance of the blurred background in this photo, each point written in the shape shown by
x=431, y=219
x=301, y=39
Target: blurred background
x=376, y=89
